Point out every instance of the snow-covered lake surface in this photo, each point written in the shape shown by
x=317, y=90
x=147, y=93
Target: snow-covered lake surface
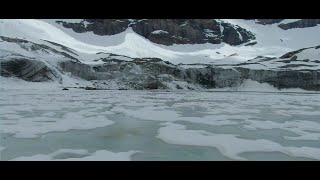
x=158, y=125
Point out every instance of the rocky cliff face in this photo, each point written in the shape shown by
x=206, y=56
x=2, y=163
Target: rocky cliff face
x=182, y=31
x=308, y=80
x=157, y=74
x=141, y=74
x=297, y=69
x=27, y=69
x=168, y=31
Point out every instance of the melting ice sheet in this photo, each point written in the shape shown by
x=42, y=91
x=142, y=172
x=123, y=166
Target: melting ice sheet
x=178, y=125
x=229, y=144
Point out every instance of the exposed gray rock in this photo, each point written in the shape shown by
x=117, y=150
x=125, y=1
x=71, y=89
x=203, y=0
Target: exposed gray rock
x=141, y=74
x=292, y=53
x=303, y=23
x=268, y=21
x=77, y=69
x=28, y=69
x=90, y=88
x=251, y=44
x=173, y=31
x=308, y=80
x=154, y=73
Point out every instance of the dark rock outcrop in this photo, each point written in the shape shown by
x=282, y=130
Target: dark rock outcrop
x=292, y=53
x=306, y=79
x=251, y=44
x=167, y=31
x=90, y=88
x=303, y=23
x=268, y=21
x=27, y=69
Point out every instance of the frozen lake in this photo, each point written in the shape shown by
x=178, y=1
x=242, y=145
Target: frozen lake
x=158, y=125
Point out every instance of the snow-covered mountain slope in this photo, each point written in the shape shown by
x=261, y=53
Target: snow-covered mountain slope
x=42, y=50
x=165, y=31
x=272, y=36
x=302, y=59
x=270, y=41
x=48, y=61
